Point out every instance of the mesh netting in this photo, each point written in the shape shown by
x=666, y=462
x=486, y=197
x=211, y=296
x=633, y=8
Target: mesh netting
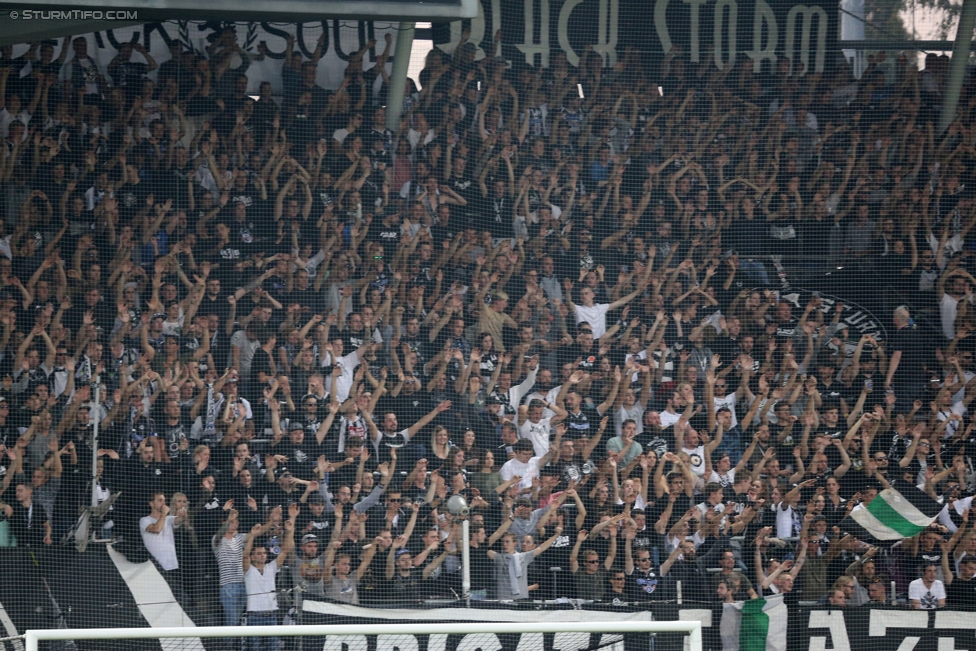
x=668, y=306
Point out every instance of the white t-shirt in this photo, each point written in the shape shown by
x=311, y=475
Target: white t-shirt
x=6, y=117
x=953, y=425
x=927, y=597
x=668, y=419
x=697, y=459
x=343, y=383
x=261, y=594
x=726, y=481
x=784, y=522
x=948, y=308
x=635, y=413
x=526, y=471
x=537, y=434
x=596, y=316
x=161, y=545
x=727, y=401
x=641, y=358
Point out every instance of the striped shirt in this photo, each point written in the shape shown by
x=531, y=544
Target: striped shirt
x=230, y=554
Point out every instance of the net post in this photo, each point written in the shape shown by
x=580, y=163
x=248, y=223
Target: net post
x=30, y=641
x=97, y=386
x=466, y=560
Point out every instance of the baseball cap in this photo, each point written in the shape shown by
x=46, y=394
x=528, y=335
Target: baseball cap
x=523, y=501
x=309, y=537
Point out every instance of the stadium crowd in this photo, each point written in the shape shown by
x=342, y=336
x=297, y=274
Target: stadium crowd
x=560, y=293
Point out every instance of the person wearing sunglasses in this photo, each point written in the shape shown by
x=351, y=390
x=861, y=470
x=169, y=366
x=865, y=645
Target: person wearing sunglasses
x=590, y=574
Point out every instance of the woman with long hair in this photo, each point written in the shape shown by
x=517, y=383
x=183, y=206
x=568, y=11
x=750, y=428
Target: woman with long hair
x=486, y=480
x=440, y=447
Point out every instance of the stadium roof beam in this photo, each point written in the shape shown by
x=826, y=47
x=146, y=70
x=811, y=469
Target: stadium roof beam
x=259, y=10
x=897, y=45
x=960, y=59
x=13, y=32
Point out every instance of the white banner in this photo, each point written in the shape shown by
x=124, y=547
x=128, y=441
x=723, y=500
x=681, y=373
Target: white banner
x=343, y=38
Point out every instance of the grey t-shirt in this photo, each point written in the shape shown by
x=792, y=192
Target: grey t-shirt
x=344, y=590
x=247, y=352
x=504, y=574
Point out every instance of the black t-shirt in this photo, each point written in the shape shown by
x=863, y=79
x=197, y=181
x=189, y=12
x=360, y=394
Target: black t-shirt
x=388, y=236
x=262, y=363
x=658, y=440
x=584, y=424
x=643, y=586
x=906, y=340
x=961, y=593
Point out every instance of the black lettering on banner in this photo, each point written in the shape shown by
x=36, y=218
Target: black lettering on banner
x=269, y=28
x=306, y=43
x=763, y=31
x=147, y=31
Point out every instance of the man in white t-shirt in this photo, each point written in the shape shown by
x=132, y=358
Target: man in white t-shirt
x=596, y=315
x=259, y=580
x=535, y=428
x=524, y=465
x=347, y=364
x=953, y=286
x=158, y=532
x=158, y=535
x=927, y=592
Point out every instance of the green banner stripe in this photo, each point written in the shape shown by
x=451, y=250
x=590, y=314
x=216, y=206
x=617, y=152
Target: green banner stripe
x=891, y=518
x=754, y=628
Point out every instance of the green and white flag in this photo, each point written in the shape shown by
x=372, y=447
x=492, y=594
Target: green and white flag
x=754, y=625
x=894, y=515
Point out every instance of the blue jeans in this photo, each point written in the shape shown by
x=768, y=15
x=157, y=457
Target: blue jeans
x=233, y=597
x=263, y=643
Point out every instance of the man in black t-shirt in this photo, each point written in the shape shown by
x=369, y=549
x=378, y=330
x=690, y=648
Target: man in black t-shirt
x=905, y=366
x=961, y=588
x=262, y=366
x=300, y=451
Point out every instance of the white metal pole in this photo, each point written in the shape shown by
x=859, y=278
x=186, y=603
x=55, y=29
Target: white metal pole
x=398, y=78
x=466, y=560
x=97, y=413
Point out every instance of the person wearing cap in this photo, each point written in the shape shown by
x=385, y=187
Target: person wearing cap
x=301, y=453
x=308, y=568
x=314, y=519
